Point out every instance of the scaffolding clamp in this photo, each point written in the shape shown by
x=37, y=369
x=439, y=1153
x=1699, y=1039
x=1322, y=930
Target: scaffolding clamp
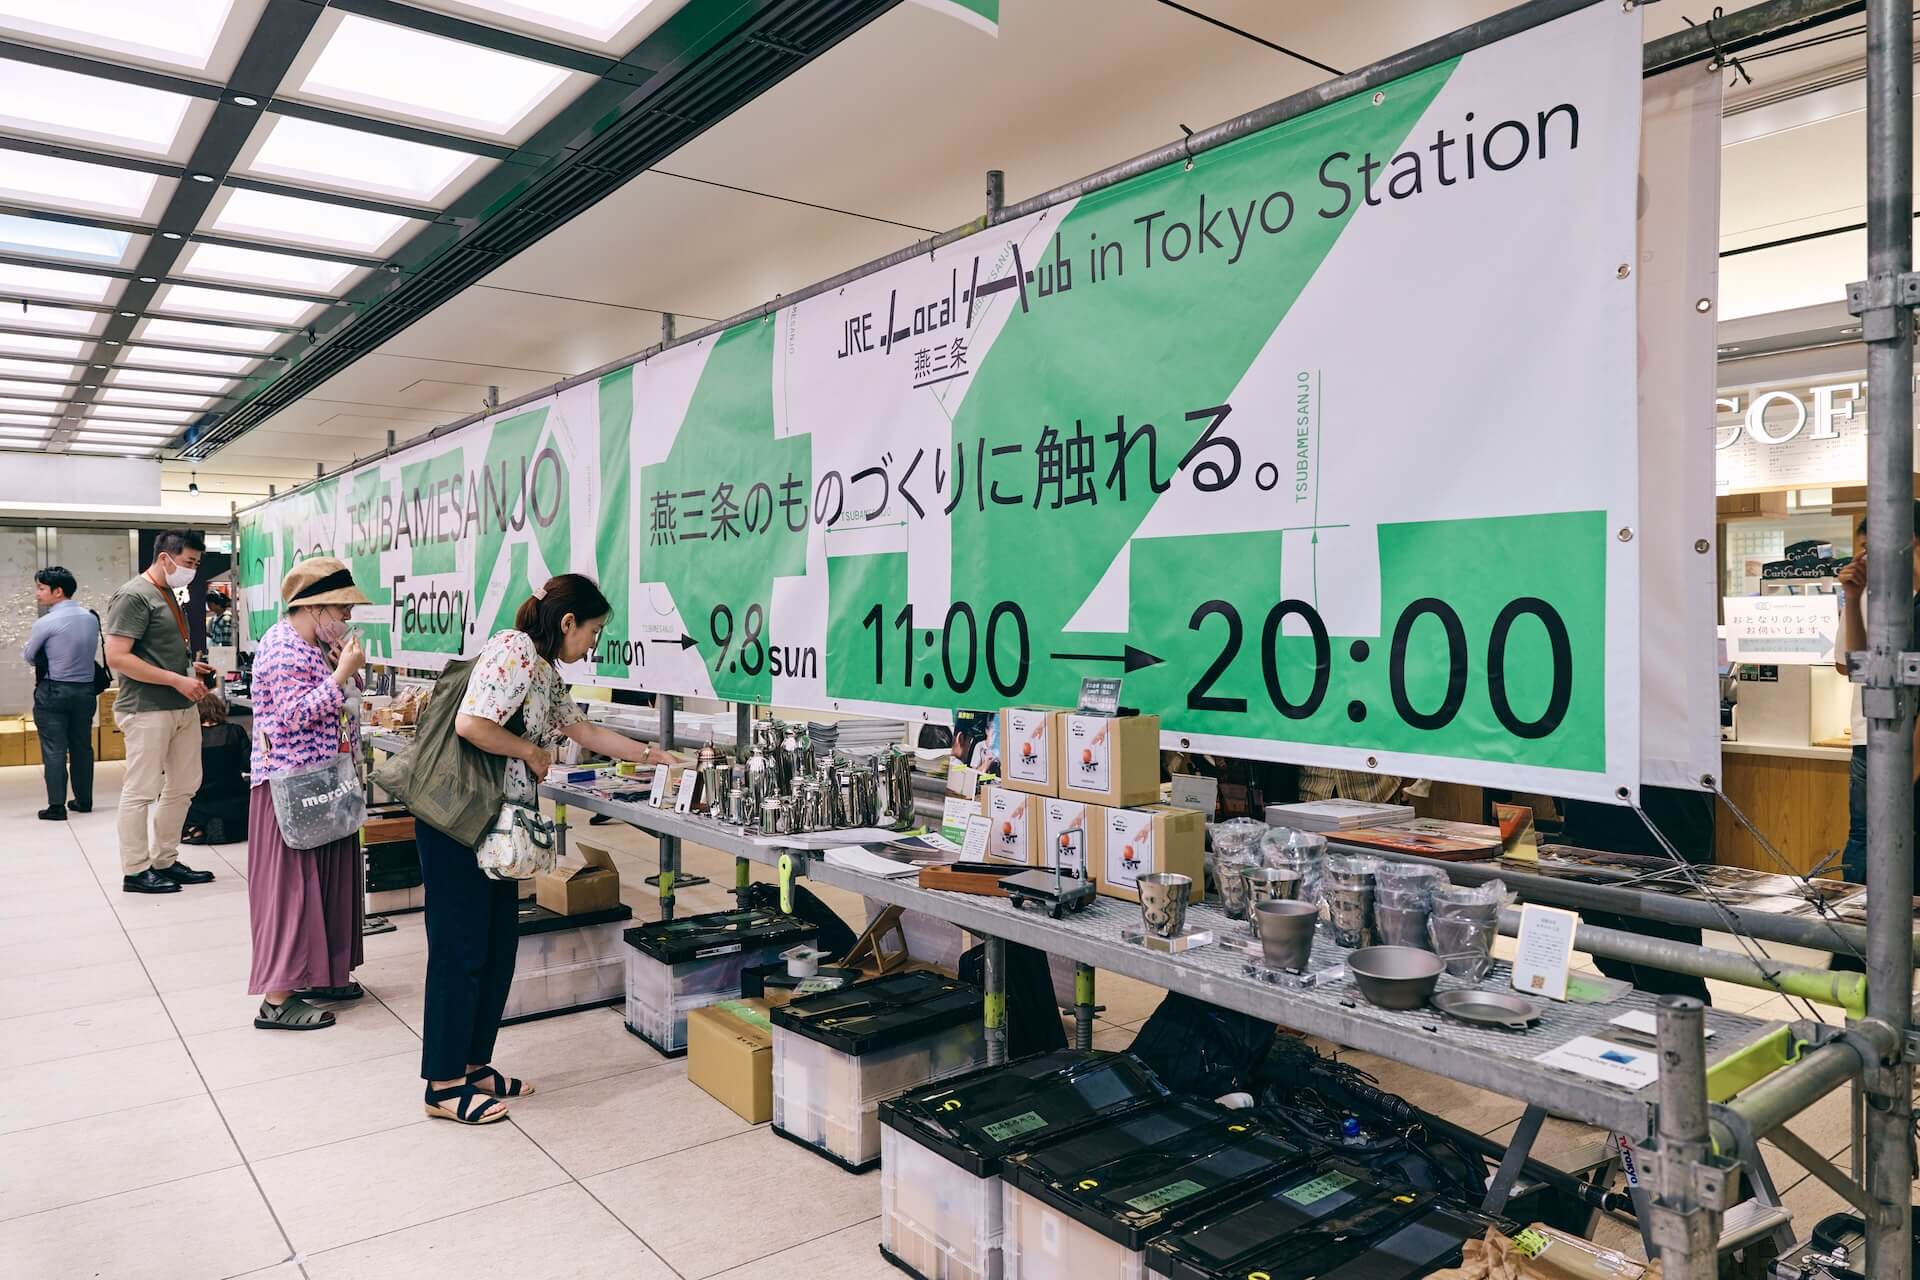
x=1884, y=678
x=1885, y=304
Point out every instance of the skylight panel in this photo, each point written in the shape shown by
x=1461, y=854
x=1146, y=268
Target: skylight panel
x=15, y=404
x=73, y=185
x=376, y=66
x=324, y=155
x=13, y=418
x=53, y=319
x=167, y=358
x=45, y=282
x=33, y=390
x=45, y=238
x=289, y=220
x=169, y=399
x=132, y=451
x=32, y=344
x=142, y=415
x=221, y=336
x=601, y=23
x=40, y=369
x=179, y=33
x=202, y=383
x=223, y=304
x=79, y=108
x=257, y=267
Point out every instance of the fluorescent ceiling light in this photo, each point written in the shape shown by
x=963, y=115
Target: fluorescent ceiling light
x=13, y=419
x=63, y=104
x=288, y=220
x=324, y=155
x=223, y=304
x=165, y=358
x=172, y=399
x=182, y=33
x=36, y=405
x=74, y=185
x=44, y=238
x=40, y=369
x=34, y=390
x=141, y=415
x=225, y=337
x=32, y=344
x=130, y=450
x=45, y=282
x=598, y=22
x=109, y=437
x=179, y=381
x=131, y=428
x=396, y=71
x=256, y=267
x=36, y=315
x=24, y=434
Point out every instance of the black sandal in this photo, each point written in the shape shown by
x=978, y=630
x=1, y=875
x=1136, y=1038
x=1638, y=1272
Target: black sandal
x=352, y=991
x=295, y=1015
x=471, y=1106
x=503, y=1086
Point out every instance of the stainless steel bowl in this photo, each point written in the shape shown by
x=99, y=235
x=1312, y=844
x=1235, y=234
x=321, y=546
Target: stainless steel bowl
x=1395, y=977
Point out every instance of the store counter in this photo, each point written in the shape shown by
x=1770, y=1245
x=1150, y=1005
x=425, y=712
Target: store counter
x=1797, y=795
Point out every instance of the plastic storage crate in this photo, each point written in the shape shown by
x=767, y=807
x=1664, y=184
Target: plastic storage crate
x=941, y=1207
x=674, y=966
x=1084, y=1208
x=838, y=1055
x=1318, y=1222
x=567, y=962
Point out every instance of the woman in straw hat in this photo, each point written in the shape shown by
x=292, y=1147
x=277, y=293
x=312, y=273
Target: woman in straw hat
x=305, y=903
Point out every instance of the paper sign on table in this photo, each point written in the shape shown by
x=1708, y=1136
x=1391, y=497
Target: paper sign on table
x=955, y=814
x=689, y=783
x=658, y=796
x=1190, y=791
x=1545, y=952
x=974, y=847
x=1604, y=1060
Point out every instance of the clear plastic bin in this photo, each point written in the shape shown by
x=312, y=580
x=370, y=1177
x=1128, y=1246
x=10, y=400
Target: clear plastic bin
x=565, y=987
x=1041, y=1243
x=936, y=1217
x=660, y=995
x=830, y=1100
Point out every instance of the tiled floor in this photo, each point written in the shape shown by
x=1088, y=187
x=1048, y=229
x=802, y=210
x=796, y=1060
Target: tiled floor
x=147, y=1130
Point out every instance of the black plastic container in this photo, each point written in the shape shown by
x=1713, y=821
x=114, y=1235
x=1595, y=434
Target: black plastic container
x=674, y=966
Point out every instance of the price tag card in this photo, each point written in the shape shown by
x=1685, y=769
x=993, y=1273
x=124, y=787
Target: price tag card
x=1545, y=952
x=1600, y=1059
x=1190, y=791
x=974, y=847
x=955, y=815
x=1100, y=696
x=658, y=796
x=689, y=783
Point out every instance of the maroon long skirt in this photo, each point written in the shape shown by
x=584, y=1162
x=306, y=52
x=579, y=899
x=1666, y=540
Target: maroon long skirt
x=305, y=903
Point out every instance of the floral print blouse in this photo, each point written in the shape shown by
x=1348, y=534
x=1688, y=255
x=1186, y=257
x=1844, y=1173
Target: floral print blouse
x=300, y=715
x=509, y=676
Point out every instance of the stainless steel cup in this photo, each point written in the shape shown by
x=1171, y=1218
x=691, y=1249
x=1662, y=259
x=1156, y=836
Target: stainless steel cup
x=1163, y=902
x=1267, y=884
x=1285, y=928
x=1352, y=911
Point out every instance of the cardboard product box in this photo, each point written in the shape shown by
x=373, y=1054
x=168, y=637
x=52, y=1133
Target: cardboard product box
x=108, y=742
x=730, y=1055
x=569, y=890
x=1030, y=750
x=1155, y=838
x=1057, y=818
x=30, y=741
x=1013, y=824
x=13, y=749
x=1551, y=1254
x=1109, y=760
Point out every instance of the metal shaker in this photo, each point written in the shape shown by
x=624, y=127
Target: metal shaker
x=789, y=758
x=711, y=791
x=738, y=801
x=898, y=797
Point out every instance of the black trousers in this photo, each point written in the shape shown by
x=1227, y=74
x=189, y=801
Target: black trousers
x=472, y=937
x=63, y=716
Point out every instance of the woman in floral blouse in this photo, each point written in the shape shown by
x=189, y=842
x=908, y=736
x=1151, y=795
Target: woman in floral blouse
x=305, y=903
x=472, y=919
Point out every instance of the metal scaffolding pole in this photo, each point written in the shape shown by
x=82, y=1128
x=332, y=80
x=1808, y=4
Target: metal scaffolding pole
x=1686, y=1228
x=1884, y=302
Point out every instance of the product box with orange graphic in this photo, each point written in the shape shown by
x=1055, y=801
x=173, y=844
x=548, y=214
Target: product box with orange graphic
x=1108, y=760
x=1143, y=841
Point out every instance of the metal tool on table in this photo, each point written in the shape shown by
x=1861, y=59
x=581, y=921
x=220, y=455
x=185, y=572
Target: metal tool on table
x=1063, y=887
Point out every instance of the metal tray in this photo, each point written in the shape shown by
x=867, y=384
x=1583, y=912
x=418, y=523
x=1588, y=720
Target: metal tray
x=1487, y=1008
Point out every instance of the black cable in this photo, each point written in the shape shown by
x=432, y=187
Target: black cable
x=1259, y=40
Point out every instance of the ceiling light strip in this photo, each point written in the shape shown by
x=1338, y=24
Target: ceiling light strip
x=446, y=25
x=80, y=64
x=417, y=211
x=389, y=128
x=87, y=155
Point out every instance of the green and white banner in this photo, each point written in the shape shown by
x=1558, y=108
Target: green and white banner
x=1326, y=443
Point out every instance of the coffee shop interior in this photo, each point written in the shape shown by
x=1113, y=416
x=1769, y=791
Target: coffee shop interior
x=1001, y=987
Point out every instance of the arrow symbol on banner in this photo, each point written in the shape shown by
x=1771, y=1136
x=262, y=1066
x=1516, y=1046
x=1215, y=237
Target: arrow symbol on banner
x=685, y=641
x=1134, y=658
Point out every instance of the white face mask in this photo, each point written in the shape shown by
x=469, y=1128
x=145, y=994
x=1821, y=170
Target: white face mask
x=180, y=576
x=331, y=630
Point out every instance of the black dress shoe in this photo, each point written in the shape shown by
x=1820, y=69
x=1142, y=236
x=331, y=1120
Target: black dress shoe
x=77, y=807
x=56, y=813
x=181, y=873
x=148, y=881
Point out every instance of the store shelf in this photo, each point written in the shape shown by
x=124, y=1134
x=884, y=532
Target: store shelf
x=1787, y=752
x=1498, y=1061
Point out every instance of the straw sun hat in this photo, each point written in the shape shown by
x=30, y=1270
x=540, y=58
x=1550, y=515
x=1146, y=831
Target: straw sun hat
x=321, y=580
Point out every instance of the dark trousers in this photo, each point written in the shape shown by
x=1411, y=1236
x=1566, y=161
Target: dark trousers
x=63, y=715
x=472, y=936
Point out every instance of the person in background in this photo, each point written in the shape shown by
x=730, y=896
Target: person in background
x=1346, y=784
x=218, y=814
x=472, y=919
x=1685, y=818
x=305, y=904
x=160, y=685
x=219, y=621
x=61, y=648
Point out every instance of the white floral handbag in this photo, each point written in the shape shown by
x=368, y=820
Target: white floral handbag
x=519, y=845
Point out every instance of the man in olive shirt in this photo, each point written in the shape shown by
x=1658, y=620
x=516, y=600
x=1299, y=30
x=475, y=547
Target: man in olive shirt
x=159, y=686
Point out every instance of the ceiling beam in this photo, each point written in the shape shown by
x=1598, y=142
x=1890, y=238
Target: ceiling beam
x=388, y=128
x=509, y=42
x=68, y=265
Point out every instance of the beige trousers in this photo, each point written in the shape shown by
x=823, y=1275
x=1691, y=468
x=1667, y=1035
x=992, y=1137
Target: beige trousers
x=163, y=772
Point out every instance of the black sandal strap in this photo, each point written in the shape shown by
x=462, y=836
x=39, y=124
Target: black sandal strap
x=471, y=1104
x=504, y=1086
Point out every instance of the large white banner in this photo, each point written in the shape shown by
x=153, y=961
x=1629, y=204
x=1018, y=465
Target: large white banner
x=1326, y=443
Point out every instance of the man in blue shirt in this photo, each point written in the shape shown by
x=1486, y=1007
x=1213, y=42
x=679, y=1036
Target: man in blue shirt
x=61, y=647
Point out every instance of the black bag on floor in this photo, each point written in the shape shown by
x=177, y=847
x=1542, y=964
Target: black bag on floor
x=836, y=938
x=1202, y=1049
x=1033, y=1019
